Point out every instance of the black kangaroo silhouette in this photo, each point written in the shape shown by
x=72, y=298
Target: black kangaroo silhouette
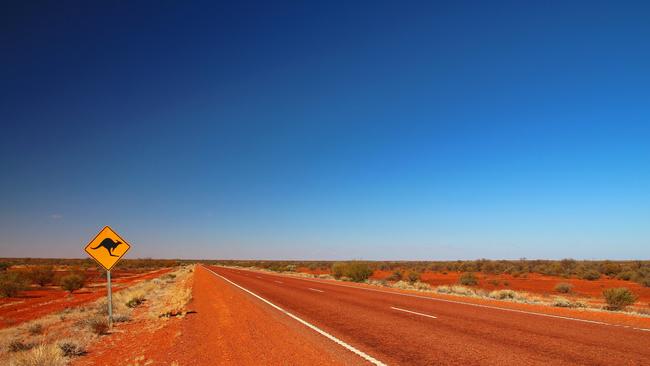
x=109, y=244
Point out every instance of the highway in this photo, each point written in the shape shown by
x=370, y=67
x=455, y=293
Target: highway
x=387, y=328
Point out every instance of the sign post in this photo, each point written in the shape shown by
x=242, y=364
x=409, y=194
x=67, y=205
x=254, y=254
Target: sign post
x=107, y=248
x=110, y=299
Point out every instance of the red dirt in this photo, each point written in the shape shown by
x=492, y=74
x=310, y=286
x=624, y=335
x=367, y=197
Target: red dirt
x=533, y=283
x=461, y=334
x=38, y=302
x=229, y=327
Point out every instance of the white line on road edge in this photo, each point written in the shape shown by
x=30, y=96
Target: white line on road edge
x=309, y=325
x=413, y=312
x=313, y=289
x=459, y=302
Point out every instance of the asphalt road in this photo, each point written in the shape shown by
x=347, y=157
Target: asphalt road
x=394, y=329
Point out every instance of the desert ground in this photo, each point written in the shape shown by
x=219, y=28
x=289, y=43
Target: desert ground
x=235, y=313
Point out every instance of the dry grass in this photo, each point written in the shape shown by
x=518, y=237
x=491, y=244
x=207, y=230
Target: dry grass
x=41, y=355
x=54, y=338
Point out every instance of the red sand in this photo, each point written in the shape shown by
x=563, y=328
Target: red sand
x=533, y=283
x=38, y=302
x=228, y=328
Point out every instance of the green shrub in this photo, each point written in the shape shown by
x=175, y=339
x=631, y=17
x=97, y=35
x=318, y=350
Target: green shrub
x=135, y=301
x=42, y=275
x=591, y=275
x=468, y=279
x=626, y=275
x=618, y=298
x=4, y=266
x=355, y=270
x=563, y=287
x=11, y=283
x=72, y=282
x=338, y=269
x=358, y=271
x=413, y=277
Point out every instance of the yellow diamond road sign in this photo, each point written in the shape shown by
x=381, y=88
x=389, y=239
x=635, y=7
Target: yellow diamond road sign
x=107, y=248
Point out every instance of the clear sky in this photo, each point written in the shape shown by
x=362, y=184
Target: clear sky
x=341, y=130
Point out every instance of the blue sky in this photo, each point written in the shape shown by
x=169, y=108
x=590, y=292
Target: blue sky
x=327, y=131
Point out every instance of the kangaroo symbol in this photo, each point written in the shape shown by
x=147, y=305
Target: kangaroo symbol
x=110, y=245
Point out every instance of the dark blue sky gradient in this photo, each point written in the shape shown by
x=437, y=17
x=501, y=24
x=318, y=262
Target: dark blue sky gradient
x=326, y=131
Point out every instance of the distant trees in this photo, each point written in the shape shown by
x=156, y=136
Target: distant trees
x=11, y=283
x=41, y=275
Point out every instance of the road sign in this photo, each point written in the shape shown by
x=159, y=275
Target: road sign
x=107, y=248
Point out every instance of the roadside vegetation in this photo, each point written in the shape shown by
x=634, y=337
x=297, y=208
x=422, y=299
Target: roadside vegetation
x=58, y=338
x=636, y=271
x=407, y=276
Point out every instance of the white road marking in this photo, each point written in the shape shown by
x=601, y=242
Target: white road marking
x=461, y=302
x=309, y=325
x=278, y=281
x=414, y=312
x=258, y=277
x=313, y=289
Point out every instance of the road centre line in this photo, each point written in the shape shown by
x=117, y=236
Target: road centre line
x=313, y=289
x=414, y=312
x=350, y=348
x=459, y=302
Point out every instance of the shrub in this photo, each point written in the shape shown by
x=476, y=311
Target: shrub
x=18, y=345
x=502, y=294
x=4, y=266
x=645, y=281
x=413, y=277
x=563, y=287
x=11, y=283
x=135, y=301
x=358, y=271
x=41, y=355
x=626, y=275
x=35, y=329
x=591, y=275
x=41, y=275
x=72, y=282
x=98, y=326
x=561, y=302
x=618, y=298
x=422, y=286
x=71, y=349
x=468, y=279
x=458, y=290
x=338, y=269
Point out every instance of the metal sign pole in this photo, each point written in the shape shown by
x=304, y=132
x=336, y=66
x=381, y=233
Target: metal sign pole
x=110, y=299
